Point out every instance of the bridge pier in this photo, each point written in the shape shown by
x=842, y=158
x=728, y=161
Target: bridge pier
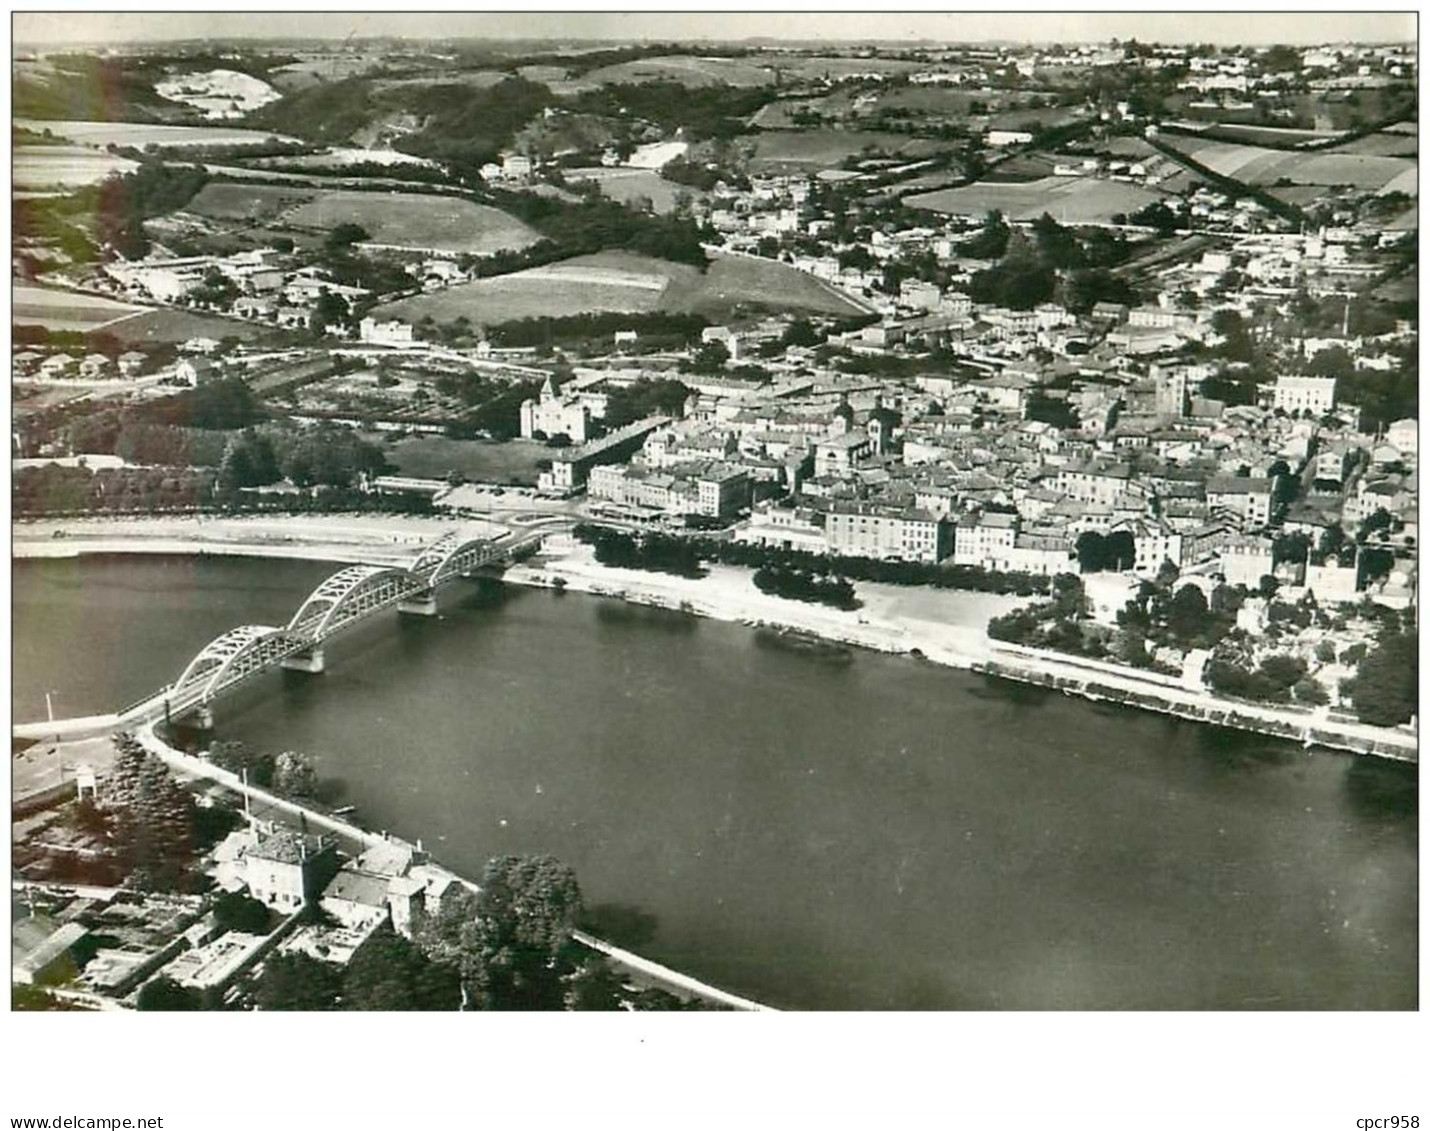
x=310, y=661
x=203, y=717
x=422, y=605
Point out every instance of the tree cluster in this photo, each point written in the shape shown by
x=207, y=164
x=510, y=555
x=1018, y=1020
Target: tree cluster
x=661, y=553
x=700, y=113
x=1114, y=552
x=799, y=585
x=595, y=224
x=627, y=404
x=289, y=773
x=1271, y=682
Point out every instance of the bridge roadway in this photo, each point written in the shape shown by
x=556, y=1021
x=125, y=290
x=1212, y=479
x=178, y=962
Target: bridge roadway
x=351, y=595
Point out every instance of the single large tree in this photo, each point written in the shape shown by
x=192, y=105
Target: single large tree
x=1188, y=614
x=165, y=994
x=1386, y=683
x=294, y=775
x=387, y=972
x=151, y=817
x=1120, y=551
x=298, y=981
x=1091, y=551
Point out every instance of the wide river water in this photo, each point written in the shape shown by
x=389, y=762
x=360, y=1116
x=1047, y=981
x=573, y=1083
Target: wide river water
x=817, y=833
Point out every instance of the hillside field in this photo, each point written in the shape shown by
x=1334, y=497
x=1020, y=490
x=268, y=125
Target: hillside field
x=1069, y=200
x=65, y=310
x=140, y=134
x=1385, y=144
x=619, y=282
x=417, y=220
x=688, y=70
x=734, y=280
x=614, y=282
x=627, y=185
x=168, y=325
x=63, y=166
x=253, y=203
x=1254, y=165
x=821, y=149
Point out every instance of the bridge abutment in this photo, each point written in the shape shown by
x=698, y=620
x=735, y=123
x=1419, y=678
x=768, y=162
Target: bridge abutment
x=422, y=605
x=310, y=661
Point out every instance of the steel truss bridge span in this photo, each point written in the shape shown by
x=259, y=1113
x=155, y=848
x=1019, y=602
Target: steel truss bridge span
x=351, y=595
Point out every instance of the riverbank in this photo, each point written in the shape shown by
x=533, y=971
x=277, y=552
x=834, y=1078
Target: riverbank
x=189, y=766
x=949, y=629
x=944, y=627
x=344, y=539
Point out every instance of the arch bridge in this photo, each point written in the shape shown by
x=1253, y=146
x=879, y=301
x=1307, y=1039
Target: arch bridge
x=351, y=595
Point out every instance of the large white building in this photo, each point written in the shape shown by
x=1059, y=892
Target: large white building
x=1404, y=436
x=985, y=540
x=1247, y=498
x=866, y=530
x=1153, y=542
x=1298, y=394
x=555, y=413
x=1245, y=561
x=783, y=528
x=714, y=490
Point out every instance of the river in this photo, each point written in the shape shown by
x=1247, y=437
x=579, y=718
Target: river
x=811, y=831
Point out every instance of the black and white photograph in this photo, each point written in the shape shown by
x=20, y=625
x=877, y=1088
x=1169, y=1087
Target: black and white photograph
x=907, y=514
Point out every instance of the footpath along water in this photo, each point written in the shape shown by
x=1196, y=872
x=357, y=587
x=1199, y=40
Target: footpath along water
x=806, y=830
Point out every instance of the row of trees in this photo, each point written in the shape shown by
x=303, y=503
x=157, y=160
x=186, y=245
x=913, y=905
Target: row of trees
x=54, y=490
x=654, y=328
x=686, y=554
x=939, y=576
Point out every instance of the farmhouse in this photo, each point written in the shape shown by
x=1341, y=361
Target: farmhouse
x=393, y=332
x=196, y=370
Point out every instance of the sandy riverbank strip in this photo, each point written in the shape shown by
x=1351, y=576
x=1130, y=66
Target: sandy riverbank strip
x=946, y=627
x=378, y=539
